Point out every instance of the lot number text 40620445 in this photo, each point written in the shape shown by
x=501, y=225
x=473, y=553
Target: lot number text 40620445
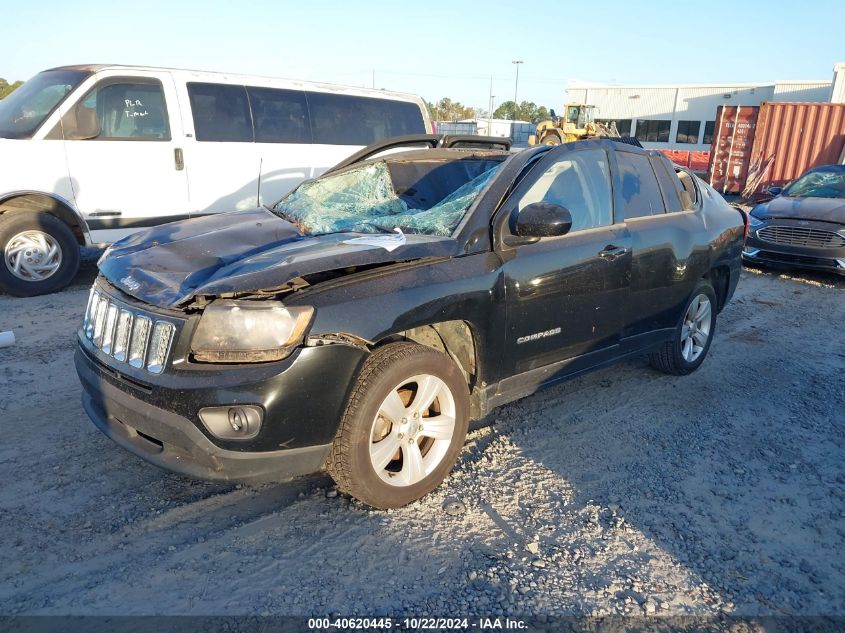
x=415, y=624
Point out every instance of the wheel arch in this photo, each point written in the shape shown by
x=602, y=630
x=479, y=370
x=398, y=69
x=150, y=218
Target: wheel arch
x=719, y=277
x=55, y=205
x=456, y=339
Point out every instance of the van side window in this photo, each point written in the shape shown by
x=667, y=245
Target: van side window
x=639, y=191
x=670, y=186
x=279, y=116
x=120, y=110
x=338, y=119
x=220, y=112
x=579, y=181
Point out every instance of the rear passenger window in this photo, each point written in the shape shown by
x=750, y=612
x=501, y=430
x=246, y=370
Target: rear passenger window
x=580, y=182
x=348, y=120
x=639, y=191
x=670, y=186
x=279, y=116
x=221, y=112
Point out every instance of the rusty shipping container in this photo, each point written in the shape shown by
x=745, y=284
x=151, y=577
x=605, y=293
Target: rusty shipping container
x=793, y=137
x=730, y=153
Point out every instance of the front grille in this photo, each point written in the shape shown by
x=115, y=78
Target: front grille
x=801, y=236
x=127, y=334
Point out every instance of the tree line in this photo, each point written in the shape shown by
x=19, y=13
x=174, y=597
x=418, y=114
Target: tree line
x=6, y=88
x=448, y=110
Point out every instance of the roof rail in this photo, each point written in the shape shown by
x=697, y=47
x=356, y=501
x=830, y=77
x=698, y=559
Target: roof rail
x=431, y=140
x=471, y=140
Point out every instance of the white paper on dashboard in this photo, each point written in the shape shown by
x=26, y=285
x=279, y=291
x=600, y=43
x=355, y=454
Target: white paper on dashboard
x=387, y=242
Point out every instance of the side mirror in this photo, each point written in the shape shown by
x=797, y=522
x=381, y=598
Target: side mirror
x=541, y=219
x=774, y=191
x=81, y=124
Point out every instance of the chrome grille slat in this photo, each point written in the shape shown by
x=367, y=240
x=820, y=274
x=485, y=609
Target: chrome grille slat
x=801, y=236
x=121, y=336
x=111, y=323
x=138, y=342
x=100, y=320
x=127, y=334
x=159, y=346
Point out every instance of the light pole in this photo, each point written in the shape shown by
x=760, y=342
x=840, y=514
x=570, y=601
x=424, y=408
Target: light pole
x=490, y=111
x=516, y=63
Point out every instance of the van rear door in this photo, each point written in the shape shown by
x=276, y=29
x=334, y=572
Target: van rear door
x=123, y=144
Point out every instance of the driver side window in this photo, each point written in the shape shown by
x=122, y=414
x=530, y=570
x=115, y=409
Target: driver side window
x=120, y=110
x=579, y=181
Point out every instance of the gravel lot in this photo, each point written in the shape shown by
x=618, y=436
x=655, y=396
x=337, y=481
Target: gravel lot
x=622, y=492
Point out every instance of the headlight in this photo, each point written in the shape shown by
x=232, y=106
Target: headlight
x=754, y=222
x=249, y=331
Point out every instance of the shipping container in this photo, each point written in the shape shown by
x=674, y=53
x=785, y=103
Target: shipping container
x=793, y=137
x=730, y=153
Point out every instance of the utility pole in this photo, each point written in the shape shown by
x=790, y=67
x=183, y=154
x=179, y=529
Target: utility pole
x=516, y=63
x=490, y=110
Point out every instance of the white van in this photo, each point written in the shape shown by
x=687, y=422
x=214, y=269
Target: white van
x=89, y=154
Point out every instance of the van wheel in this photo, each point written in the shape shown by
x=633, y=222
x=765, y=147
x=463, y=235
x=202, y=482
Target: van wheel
x=405, y=424
x=691, y=340
x=40, y=254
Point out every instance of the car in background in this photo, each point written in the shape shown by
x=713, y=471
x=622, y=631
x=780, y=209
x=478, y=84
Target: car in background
x=360, y=323
x=803, y=225
x=92, y=153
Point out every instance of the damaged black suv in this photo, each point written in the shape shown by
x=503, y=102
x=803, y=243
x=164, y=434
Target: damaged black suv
x=360, y=323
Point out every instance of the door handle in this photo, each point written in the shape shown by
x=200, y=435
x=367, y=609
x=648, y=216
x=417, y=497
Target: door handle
x=612, y=252
x=178, y=159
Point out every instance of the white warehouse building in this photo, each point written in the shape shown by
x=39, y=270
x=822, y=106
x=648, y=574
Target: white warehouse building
x=683, y=117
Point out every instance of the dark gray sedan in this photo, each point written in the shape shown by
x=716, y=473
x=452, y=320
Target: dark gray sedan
x=804, y=225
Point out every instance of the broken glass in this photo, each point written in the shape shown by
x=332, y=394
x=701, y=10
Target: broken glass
x=819, y=184
x=363, y=200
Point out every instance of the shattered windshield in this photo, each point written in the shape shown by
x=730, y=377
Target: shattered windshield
x=818, y=184
x=426, y=197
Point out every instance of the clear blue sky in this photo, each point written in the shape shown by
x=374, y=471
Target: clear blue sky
x=438, y=48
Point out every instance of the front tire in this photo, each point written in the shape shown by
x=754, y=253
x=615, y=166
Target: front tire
x=691, y=341
x=404, y=426
x=40, y=254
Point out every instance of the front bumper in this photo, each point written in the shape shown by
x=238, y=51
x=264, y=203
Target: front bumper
x=762, y=252
x=753, y=255
x=302, y=398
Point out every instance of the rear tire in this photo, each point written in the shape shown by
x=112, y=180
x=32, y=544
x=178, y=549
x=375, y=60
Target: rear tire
x=552, y=139
x=40, y=253
x=404, y=426
x=691, y=341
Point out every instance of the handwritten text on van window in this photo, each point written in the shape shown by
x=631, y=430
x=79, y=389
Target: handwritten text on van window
x=134, y=103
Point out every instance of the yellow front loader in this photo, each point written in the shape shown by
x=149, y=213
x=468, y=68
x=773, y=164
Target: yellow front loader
x=577, y=123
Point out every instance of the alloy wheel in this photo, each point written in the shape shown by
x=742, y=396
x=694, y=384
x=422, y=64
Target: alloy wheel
x=412, y=430
x=696, y=328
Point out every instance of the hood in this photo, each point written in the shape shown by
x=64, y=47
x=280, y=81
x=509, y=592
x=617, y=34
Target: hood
x=821, y=209
x=240, y=252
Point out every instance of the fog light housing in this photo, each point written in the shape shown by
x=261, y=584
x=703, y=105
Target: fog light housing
x=233, y=422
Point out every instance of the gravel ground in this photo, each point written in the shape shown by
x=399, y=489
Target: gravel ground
x=623, y=492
